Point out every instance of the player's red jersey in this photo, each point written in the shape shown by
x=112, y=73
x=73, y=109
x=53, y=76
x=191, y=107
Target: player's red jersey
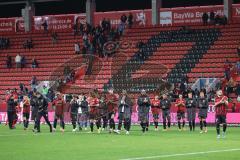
x=181, y=105
x=26, y=106
x=221, y=109
x=155, y=107
x=112, y=100
x=93, y=103
x=59, y=106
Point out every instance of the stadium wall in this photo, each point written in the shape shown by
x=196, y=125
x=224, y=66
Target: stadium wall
x=168, y=16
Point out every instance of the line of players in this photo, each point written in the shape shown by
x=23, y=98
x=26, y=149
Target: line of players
x=100, y=109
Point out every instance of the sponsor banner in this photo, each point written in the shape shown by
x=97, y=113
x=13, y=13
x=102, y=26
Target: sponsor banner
x=192, y=15
x=231, y=117
x=236, y=12
x=7, y=24
x=57, y=23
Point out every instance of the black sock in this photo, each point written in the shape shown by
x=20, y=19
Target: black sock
x=27, y=122
x=128, y=125
x=224, y=127
x=98, y=124
x=190, y=125
x=156, y=124
x=193, y=125
x=120, y=125
x=201, y=125
x=112, y=124
x=24, y=123
x=62, y=124
x=218, y=128
x=144, y=127
x=179, y=124
x=183, y=124
x=205, y=123
x=74, y=125
x=91, y=126
x=55, y=123
x=169, y=124
x=164, y=124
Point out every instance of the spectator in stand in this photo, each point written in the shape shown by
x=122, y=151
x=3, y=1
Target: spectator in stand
x=212, y=17
x=238, y=89
x=238, y=67
x=121, y=28
x=28, y=44
x=51, y=94
x=9, y=61
x=18, y=60
x=227, y=67
x=205, y=18
x=34, y=83
x=231, y=86
x=34, y=63
x=75, y=29
x=77, y=48
x=23, y=62
x=104, y=24
x=4, y=43
x=130, y=20
x=85, y=40
x=108, y=25
x=81, y=28
x=217, y=20
x=45, y=26
x=54, y=37
x=44, y=91
x=238, y=51
x=124, y=19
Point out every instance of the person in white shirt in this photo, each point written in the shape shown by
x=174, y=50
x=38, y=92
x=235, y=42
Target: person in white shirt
x=18, y=60
x=77, y=48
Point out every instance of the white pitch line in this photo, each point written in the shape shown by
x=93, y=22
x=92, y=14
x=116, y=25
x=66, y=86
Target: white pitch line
x=181, y=154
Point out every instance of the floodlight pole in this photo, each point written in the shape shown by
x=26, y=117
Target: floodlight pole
x=90, y=9
x=227, y=9
x=156, y=5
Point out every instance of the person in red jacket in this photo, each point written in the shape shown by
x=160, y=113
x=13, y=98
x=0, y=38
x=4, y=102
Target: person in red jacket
x=58, y=105
x=221, y=103
x=181, y=109
x=26, y=111
x=112, y=101
x=93, y=102
x=155, y=107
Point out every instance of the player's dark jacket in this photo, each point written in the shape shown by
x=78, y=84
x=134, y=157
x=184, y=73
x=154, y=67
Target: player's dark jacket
x=84, y=106
x=34, y=105
x=125, y=107
x=191, y=103
x=11, y=105
x=74, y=107
x=143, y=107
x=165, y=104
x=42, y=104
x=202, y=103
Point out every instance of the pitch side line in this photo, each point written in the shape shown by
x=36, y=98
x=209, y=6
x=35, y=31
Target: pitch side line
x=181, y=154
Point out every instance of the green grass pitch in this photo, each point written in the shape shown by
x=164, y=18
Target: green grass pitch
x=174, y=145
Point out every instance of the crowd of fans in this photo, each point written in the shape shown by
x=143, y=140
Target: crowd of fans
x=94, y=37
